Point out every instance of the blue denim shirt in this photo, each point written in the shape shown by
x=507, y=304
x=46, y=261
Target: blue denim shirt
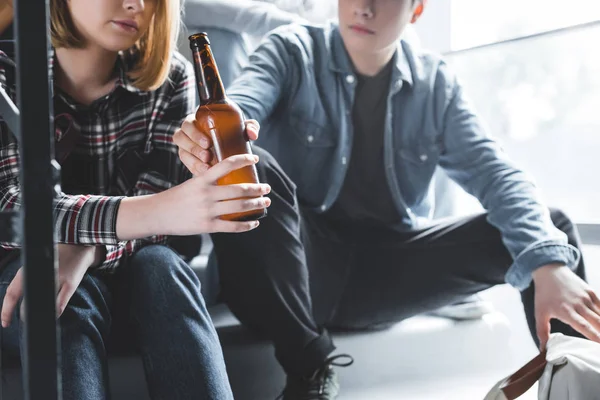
x=300, y=85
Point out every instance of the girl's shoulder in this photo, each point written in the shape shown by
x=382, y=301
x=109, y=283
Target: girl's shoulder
x=181, y=75
x=181, y=68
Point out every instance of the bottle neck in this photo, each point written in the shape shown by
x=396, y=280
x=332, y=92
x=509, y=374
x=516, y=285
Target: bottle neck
x=210, y=86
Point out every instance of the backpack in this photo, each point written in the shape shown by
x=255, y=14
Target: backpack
x=569, y=369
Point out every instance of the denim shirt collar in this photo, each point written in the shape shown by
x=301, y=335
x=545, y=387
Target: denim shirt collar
x=339, y=60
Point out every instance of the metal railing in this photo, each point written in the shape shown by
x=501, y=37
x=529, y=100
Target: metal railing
x=31, y=123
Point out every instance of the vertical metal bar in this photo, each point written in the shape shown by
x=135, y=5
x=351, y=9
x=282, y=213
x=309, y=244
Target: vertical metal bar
x=41, y=361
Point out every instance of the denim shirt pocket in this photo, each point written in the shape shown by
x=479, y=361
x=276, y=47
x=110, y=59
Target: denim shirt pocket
x=310, y=133
x=308, y=160
x=421, y=155
x=415, y=169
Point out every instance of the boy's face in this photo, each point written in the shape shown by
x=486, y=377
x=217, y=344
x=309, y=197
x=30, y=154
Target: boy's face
x=114, y=25
x=374, y=25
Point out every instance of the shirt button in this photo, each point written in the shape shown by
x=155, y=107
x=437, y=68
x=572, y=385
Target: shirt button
x=350, y=79
x=344, y=160
x=423, y=157
x=323, y=207
x=310, y=138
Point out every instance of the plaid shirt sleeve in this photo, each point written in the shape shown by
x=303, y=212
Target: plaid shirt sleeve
x=176, y=99
x=80, y=219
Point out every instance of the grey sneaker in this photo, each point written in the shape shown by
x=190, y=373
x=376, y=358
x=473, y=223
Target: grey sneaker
x=320, y=385
x=470, y=308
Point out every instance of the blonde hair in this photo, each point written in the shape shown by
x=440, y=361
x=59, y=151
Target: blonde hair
x=153, y=50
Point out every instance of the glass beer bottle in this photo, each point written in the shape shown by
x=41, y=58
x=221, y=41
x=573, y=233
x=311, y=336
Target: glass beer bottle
x=222, y=119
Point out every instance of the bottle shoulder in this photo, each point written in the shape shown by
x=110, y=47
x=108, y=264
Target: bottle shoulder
x=225, y=105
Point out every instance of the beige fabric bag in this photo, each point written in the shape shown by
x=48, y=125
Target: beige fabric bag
x=568, y=370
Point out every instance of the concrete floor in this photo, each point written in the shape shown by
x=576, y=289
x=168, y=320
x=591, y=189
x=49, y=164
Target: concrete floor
x=476, y=383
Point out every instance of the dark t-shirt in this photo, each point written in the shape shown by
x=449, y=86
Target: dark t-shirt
x=365, y=197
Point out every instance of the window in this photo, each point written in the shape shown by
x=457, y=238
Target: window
x=539, y=96
x=476, y=22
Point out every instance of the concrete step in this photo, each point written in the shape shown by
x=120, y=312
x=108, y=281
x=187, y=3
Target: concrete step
x=415, y=349
x=412, y=350
x=471, y=387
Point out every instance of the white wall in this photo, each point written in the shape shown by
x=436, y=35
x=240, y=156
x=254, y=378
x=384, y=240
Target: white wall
x=434, y=26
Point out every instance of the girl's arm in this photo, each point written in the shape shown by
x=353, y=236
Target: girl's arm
x=190, y=208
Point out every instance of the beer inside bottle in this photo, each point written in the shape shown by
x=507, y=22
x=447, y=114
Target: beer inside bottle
x=222, y=119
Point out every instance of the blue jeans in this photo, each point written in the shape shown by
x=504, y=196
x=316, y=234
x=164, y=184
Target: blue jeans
x=155, y=300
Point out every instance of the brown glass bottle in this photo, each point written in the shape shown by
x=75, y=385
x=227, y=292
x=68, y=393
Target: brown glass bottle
x=222, y=119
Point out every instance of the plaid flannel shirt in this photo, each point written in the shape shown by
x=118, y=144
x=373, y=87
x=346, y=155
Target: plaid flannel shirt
x=125, y=148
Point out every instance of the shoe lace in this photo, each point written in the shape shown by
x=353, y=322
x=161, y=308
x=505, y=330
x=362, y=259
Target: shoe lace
x=318, y=380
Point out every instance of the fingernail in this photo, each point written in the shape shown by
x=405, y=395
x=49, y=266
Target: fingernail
x=268, y=189
x=204, y=143
x=4, y=324
x=255, y=158
x=267, y=201
x=255, y=225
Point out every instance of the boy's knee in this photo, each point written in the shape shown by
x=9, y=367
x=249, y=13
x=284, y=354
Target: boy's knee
x=266, y=162
x=560, y=219
x=269, y=171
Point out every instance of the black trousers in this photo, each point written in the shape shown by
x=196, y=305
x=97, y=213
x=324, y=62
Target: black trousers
x=299, y=273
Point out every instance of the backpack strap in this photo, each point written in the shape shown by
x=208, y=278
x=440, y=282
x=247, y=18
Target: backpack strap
x=522, y=380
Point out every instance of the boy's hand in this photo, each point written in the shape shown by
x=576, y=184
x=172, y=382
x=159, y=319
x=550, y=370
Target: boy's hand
x=195, y=147
x=561, y=294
